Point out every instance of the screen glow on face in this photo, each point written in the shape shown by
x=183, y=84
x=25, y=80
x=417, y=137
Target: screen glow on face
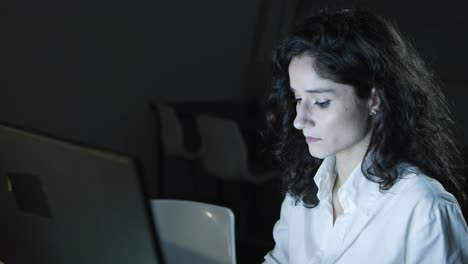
x=329, y=114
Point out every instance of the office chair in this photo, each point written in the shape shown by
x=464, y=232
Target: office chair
x=223, y=151
x=194, y=232
x=172, y=133
x=178, y=141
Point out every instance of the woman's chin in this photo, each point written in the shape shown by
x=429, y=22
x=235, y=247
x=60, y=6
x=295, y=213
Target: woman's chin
x=318, y=154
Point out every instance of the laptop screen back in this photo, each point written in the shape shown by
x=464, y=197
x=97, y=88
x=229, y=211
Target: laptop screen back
x=62, y=203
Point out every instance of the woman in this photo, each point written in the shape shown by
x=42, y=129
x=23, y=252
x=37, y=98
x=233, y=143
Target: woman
x=349, y=89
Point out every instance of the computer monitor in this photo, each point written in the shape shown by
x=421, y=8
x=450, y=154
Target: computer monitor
x=65, y=203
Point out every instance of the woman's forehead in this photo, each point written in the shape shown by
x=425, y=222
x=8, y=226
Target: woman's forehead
x=303, y=78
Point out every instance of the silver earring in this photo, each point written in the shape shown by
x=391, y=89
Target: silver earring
x=373, y=112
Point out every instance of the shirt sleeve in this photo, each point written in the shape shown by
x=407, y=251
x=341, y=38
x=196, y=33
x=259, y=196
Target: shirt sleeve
x=280, y=253
x=441, y=238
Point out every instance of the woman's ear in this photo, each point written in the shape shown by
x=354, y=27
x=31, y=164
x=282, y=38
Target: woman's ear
x=374, y=100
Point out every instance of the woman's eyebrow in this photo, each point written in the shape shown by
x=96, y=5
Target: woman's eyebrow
x=317, y=90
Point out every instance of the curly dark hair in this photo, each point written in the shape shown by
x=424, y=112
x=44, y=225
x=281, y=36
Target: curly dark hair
x=365, y=51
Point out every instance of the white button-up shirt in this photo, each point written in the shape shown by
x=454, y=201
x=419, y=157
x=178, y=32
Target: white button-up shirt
x=416, y=221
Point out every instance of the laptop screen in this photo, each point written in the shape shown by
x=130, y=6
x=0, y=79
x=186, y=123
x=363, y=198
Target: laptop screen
x=62, y=202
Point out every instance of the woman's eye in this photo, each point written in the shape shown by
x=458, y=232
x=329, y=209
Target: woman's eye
x=297, y=100
x=323, y=104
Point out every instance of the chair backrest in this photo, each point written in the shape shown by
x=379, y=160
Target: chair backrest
x=194, y=232
x=172, y=132
x=223, y=151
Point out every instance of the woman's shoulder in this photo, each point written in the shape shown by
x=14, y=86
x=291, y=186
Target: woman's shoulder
x=417, y=187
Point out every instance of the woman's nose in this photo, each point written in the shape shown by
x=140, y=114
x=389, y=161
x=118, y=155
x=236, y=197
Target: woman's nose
x=302, y=116
x=298, y=122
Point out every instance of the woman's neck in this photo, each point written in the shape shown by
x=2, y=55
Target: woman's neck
x=346, y=161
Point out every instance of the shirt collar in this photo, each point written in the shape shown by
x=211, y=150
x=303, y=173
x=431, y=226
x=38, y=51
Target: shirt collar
x=357, y=191
x=325, y=177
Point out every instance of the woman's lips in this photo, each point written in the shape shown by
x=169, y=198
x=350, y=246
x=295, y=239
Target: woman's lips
x=312, y=139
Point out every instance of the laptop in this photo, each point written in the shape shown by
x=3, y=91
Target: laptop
x=66, y=203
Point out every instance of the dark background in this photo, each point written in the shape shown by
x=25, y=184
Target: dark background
x=88, y=70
